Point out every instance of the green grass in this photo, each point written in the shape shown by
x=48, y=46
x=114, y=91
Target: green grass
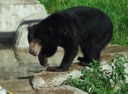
x=99, y=81
x=116, y=9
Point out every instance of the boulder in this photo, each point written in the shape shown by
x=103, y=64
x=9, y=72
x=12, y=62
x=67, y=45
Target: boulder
x=16, y=15
x=52, y=79
x=61, y=90
x=15, y=12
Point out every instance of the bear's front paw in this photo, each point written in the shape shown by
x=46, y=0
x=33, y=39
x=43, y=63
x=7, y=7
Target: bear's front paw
x=56, y=69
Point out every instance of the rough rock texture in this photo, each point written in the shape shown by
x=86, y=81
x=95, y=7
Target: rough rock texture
x=61, y=90
x=16, y=11
x=17, y=14
x=111, y=50
x=19, y=1
x=23, y=86
x=7, y=56
x=5, y=59
x=18, y=87
x=53, y=79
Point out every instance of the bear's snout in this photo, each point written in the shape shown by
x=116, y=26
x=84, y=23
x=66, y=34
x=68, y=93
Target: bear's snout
x=31, y=51
x=35, y=48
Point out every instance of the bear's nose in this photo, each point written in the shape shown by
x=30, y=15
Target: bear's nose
x=31, y=51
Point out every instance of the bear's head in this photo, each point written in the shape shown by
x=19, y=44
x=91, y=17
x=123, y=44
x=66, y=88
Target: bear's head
x=38, y=39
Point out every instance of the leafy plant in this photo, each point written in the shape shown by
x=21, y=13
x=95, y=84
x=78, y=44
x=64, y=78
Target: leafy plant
x=96, y=80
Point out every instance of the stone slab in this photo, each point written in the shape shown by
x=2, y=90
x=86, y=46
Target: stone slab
x=12, y=14
x=19, y=1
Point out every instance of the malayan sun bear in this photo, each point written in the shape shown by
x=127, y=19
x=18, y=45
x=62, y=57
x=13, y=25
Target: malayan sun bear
x=84, y=27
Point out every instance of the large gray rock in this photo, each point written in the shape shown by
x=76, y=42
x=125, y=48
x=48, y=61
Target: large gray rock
x=19, y=1
x=16, y=15
x=14, y=12
x=61, y=90
x=52, y=79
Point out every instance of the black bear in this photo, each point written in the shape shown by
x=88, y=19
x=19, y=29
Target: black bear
x=87, y=27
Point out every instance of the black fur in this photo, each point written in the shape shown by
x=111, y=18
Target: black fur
x=89, y=28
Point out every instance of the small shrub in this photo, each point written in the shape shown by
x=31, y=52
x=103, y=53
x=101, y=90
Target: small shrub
x=96, y=80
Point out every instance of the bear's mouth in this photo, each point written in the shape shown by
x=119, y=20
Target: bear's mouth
x=34, y=53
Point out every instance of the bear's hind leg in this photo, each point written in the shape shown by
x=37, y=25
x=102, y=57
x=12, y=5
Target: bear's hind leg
x=90, y=54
